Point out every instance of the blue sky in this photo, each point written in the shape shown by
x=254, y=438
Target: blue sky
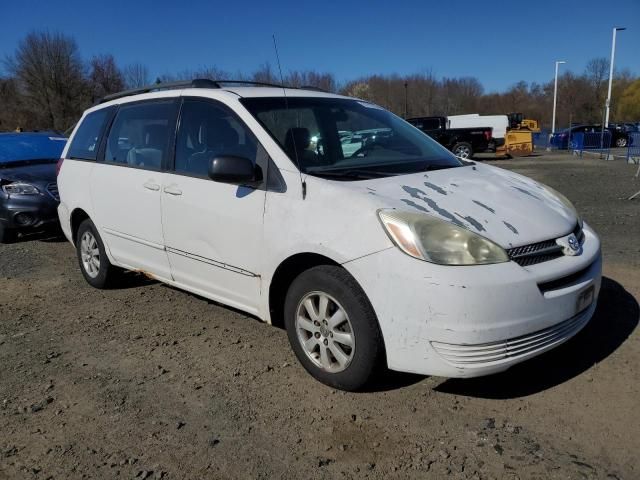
x=498, y=42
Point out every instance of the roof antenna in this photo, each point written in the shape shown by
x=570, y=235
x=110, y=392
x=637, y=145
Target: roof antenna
x=286, y=104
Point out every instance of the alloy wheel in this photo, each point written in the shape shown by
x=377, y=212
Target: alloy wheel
x=90, y=254
x=324, y=332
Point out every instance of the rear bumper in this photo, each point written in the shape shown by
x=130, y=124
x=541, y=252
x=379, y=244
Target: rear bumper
x=478, y=320
x=65, y=221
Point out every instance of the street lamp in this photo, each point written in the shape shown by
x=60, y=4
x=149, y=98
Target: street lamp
x=555, y=96
x=613, y=54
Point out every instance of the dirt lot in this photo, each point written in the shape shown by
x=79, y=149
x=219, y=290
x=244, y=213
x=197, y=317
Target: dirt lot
x=149, y=382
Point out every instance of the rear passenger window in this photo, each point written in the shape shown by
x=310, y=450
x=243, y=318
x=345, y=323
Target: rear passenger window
x=208, y=130
x=140, y=134
x=87, y=139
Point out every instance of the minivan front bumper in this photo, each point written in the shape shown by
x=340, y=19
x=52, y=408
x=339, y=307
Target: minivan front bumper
x=467, y=321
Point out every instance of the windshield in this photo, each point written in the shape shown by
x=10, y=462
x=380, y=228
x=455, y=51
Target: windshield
x=347, y=139
x=21, y=147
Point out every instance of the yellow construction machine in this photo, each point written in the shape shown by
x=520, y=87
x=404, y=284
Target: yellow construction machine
x=519, y=138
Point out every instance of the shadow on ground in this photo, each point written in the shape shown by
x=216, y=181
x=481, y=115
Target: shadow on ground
x=49, y=236
x=614, y=320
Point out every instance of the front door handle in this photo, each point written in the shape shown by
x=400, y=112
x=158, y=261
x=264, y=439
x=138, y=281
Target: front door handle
x=171, y=190
x=151, y=186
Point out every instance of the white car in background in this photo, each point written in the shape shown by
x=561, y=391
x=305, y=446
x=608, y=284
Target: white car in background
x=394, y=253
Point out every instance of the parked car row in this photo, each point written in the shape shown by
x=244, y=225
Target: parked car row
x=614, y=137
x=368, y=241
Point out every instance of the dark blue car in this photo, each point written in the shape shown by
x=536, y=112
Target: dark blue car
x=612, y=137
x=28, y=191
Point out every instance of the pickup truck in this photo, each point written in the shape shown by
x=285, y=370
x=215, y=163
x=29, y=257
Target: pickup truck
x=463, y=142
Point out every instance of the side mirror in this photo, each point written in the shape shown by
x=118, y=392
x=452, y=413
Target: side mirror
x=236, y=170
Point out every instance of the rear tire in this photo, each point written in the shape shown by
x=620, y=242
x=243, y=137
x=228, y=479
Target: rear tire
x=92, y=258
x=621, y=142
x=7, y=235
x=463, y=150
x=332, y=328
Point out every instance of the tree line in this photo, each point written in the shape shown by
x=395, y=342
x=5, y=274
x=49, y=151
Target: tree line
x=46, y=84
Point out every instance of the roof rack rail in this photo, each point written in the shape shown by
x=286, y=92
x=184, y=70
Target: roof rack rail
x=195, y=83
x=266, y=84
x=249, y=82
x=311, y=87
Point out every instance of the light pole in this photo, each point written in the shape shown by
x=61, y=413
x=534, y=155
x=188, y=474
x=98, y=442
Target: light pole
x=555, y=97
x=613, y=54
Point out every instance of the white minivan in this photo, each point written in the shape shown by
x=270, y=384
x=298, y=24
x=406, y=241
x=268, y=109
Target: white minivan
x=387, y=252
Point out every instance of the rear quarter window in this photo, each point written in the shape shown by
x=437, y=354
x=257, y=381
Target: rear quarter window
x=86, y=141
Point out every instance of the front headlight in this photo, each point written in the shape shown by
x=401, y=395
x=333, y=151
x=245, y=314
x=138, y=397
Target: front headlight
x=564, y=200
x=20, y=189
x=433, y=240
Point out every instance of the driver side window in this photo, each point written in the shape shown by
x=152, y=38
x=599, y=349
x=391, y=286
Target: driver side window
x=206, y=131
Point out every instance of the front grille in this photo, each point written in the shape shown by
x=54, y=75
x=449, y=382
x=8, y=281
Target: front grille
x=535, y=253
x=484, y=354
x=52, y=188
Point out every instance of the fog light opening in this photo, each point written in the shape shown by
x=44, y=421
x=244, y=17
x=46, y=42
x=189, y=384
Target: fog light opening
x=23, y=219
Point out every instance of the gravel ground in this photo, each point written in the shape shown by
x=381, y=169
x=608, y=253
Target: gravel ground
x=146, y=381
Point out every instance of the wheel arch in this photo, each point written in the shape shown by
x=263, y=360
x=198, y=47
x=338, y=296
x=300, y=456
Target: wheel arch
x=77, y=217
x=284, y=275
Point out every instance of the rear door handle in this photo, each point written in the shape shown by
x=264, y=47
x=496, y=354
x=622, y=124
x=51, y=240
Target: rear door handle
x=171, y=190
x=151, y=186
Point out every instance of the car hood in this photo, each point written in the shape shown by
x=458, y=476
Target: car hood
x=508, y=208
x=38, y=173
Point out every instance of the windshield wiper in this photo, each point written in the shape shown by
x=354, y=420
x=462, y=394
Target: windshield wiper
x=429, y=168
x=350, y=173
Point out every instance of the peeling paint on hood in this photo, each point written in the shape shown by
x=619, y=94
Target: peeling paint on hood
x=508, y=208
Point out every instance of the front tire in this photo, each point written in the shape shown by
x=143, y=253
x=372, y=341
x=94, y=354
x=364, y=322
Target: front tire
x=332, y=328
x=94, y=264
x=463, y=150
x=621, y=142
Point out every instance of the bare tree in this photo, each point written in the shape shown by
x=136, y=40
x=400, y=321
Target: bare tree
x=266, y=74
x=311, y=78
x=50, y=76
x=47, y=85
x=135, y=75
x=104, y=76
x=358, y=89
x=13, y=114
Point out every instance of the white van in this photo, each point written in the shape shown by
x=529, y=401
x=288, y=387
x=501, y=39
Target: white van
x=380, y=250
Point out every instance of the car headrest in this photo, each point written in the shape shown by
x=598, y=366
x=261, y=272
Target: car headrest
x=154, y=136
x=297, y=140
x=216, y=132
